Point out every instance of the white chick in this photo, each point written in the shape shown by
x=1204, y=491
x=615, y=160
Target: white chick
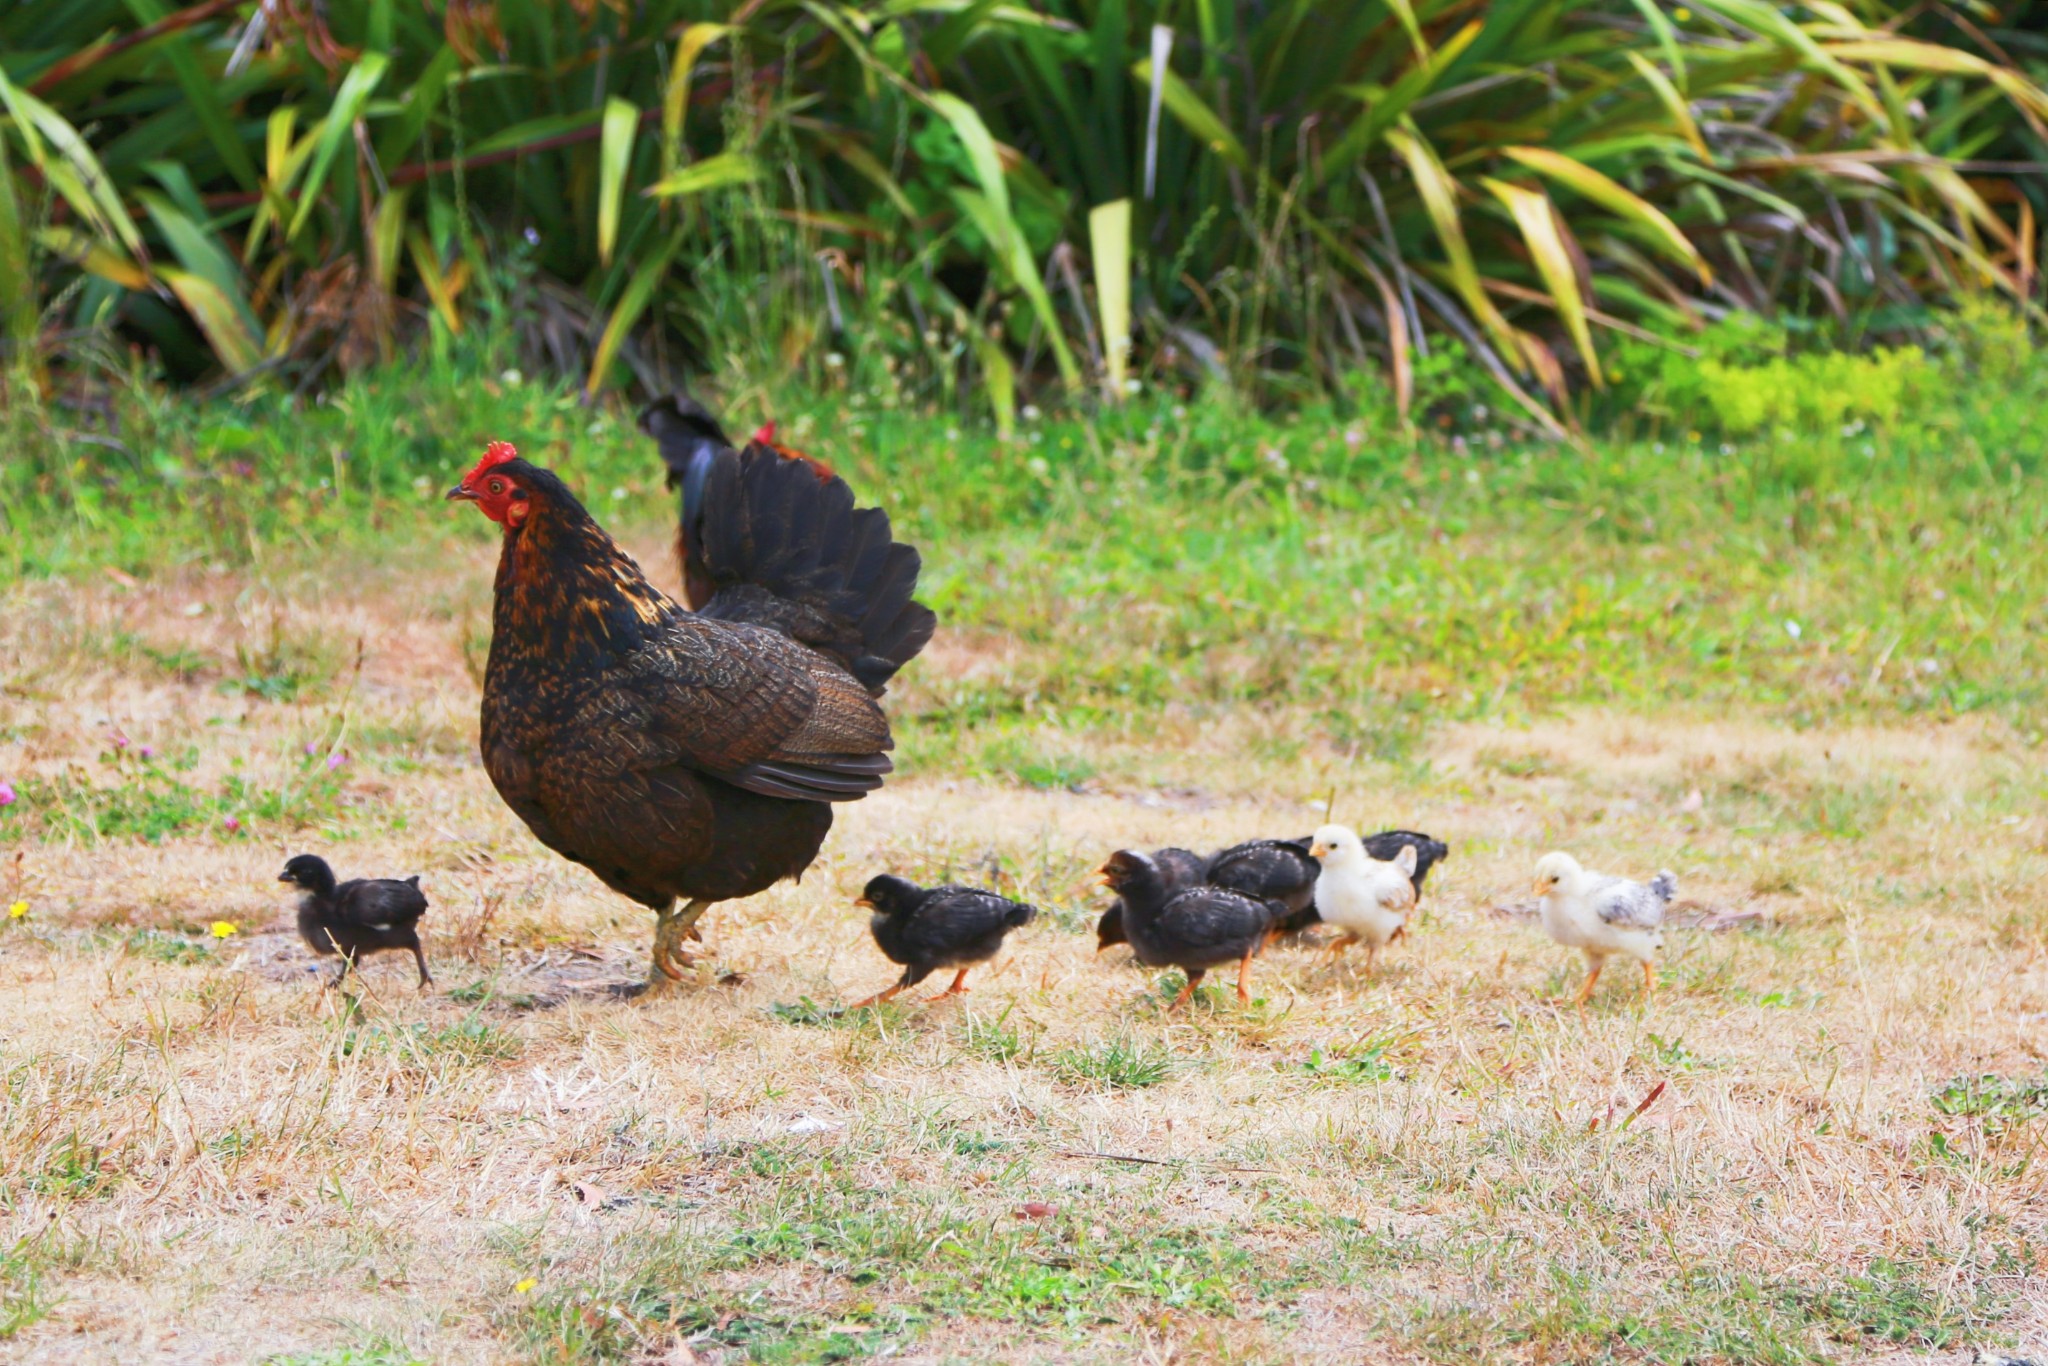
x=1364, y=897
x=1602, y=915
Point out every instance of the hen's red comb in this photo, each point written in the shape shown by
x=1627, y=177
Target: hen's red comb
x=495, y=454
x=765, y=433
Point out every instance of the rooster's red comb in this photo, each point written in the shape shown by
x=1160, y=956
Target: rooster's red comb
x=495, y=454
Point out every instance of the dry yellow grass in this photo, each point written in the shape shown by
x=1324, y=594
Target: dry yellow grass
x=214, y=1161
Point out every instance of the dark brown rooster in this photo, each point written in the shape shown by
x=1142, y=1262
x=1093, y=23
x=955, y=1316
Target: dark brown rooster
x=692, y=756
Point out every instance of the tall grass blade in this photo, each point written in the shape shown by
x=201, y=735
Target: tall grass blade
x=675, y=99
x=201, y=254
x=992, y=206
x=1440, y=198
x=1617, y=199
x=712, y=173
x=224, y=322
x=80, y=178
x=615, y=159
x=1109, y=239
x=202, y=95
x=999, y=378
x=17, y=282
x=355, y=91
x=632, y=303
x=1533, y=214
x=1162, y=54
x=1673, y=102
x=1195, y=116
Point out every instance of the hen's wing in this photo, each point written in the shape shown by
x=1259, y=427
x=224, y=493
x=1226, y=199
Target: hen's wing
x=1630, y=905
x=746, y=705
x=372, y=903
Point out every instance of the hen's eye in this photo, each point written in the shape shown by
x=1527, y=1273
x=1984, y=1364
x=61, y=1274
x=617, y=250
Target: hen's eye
x=497, y=486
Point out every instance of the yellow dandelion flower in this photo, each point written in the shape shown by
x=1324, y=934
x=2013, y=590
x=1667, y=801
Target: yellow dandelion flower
x=526, y=1285
x=223, y=929
x=18, y=911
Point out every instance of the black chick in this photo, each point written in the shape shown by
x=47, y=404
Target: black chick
x=1194, y=929
x=358, y=917
x=1270, y=870
x=1180, y=867
x=940, y=927
x=1385, y=846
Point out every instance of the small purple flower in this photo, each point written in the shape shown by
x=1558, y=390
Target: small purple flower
x=335, y=761
x=120, y=740
x=232, y=824
x=312, y=747
x=6, y=793
x=146, y=751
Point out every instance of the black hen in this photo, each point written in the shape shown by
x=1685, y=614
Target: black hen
x=926, y=929
x=358, y=917
x=1195, y=929
x=1179, y=867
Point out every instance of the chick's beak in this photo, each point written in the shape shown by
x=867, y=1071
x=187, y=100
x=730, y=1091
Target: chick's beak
x=284, y=877
x=864, y=903
x=1099, y=878
x=1540, y=887
x=462, y=493
x=1318, y=850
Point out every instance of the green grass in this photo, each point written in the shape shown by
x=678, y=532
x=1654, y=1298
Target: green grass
x=1116, y=1064
x=1135, y=563
x=1996, y=1100
x=24, y=1298
x=135, y=798
x=162, y=946
x=468, y=1042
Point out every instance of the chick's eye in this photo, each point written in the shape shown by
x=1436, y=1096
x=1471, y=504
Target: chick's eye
x=497, y=487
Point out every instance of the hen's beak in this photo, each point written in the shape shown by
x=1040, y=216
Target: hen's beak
x=460, y=493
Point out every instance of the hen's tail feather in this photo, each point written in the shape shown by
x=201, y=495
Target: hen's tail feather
x=833, y=575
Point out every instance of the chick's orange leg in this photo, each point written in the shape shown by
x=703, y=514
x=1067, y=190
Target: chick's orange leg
x=877, y=998
x=959, y=987
x=1593, y=966
x=1187, y=989
x=1649, y=983
x=1244, y=971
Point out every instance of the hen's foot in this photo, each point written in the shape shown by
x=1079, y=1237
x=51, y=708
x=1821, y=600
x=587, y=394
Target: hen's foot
x=670, y=956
